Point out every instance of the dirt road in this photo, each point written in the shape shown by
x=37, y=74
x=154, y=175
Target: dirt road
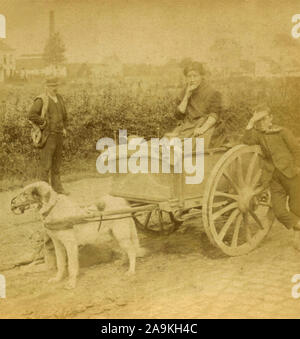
x=182, y=276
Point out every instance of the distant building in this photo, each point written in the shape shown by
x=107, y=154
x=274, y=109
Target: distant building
x=262, y=68
x=293, y=72
x=225, y=56
x=110, y=66
x=266, y=67
x=290, y=66
x=56, y=71
x=7, y=61
x=34, y=65
x=31, y=65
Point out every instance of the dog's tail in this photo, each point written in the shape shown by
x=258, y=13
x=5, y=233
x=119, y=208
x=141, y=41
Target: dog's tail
x=140, y=251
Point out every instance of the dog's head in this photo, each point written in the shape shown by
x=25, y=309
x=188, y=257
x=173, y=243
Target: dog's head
x=35, y=194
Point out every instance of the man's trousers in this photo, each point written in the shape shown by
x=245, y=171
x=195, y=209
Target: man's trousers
x=50, y=161
x=288, y=213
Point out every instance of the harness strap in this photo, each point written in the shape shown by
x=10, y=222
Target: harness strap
x=115, y=218
x=100, y=224
x=45, y=215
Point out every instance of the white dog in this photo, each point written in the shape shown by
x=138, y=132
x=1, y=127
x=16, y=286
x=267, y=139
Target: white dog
x=61, y=217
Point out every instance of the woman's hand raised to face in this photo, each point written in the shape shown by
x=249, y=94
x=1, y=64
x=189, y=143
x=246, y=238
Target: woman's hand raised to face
x=190, y=89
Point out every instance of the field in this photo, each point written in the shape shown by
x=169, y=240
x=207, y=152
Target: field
x=182, y=276
x=144, y=107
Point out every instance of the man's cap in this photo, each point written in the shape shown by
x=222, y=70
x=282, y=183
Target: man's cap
x=262, y=110
x=194, y=66
x=262, y=107
x=52, y=82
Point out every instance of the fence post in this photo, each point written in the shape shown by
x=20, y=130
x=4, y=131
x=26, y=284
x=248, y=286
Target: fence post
x=115, y=137
x=2, y=287
x=158, y=132
x=2, y=26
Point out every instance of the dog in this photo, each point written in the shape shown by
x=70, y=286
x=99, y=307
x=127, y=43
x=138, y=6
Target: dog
x=61, y=217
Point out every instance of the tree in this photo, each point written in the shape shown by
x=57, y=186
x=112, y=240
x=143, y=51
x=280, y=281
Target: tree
x=54, y=50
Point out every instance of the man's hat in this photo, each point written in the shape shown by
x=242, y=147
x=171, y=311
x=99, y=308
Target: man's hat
x=261, y=111
x=52, y=82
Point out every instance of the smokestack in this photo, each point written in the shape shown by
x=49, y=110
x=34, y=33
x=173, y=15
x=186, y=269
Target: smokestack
x=51, y=24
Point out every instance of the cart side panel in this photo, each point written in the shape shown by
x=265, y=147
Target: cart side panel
x=197, y=190
x=148, y=187
x=152, y=187
x=144, y=187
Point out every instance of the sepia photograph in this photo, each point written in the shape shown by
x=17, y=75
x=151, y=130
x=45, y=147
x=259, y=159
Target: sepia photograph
x=149, y=160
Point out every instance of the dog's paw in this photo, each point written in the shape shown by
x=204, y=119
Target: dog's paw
x=130, y=273
x=70, y=285
x=55, y=279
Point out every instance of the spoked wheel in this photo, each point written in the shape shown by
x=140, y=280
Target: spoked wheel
x=156, y=222
x=237, y=212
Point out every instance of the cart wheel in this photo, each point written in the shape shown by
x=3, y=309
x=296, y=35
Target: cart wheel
x=237, y=212
x=156, y=222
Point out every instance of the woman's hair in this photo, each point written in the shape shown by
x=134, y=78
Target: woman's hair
x=194, y=66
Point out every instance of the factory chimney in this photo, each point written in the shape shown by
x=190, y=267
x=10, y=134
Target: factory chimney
x=51, y=24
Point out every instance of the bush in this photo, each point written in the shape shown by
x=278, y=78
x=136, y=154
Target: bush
x=96, y=110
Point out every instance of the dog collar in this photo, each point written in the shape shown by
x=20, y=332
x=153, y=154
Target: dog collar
x=46, y=213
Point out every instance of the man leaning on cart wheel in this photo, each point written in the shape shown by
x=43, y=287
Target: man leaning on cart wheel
x=282, y=154
x=199, y=106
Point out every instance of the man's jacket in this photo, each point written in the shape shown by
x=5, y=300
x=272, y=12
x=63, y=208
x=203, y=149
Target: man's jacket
x=280, y=147
x=55, y=117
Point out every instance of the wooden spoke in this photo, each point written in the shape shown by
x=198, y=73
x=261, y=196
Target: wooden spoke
x=228, y=223
x=240, y=175
x=226, y=195
x=156, y=223
x=233, y=184
x=256, y=219
x=251, y=167
x=256, y=178
x=148, y=219
x=230, y=207
x=247, y=227
x=235, y=237
x=258, y=190
x=160, y=220
x=220, y=203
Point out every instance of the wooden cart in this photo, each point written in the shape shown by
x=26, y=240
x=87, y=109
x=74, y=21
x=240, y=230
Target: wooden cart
x=232, y=201
x=235, y=208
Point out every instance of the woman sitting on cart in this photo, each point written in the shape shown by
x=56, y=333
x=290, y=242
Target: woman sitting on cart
x=199, y=106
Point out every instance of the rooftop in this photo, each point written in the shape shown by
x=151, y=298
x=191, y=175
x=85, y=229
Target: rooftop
x=4, y=47
x=30, y=63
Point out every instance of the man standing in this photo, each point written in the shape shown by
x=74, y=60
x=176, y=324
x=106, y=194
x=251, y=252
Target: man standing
x=49, y=113
x=282, y=154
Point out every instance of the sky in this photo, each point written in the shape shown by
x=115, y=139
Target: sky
x=148, y=31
